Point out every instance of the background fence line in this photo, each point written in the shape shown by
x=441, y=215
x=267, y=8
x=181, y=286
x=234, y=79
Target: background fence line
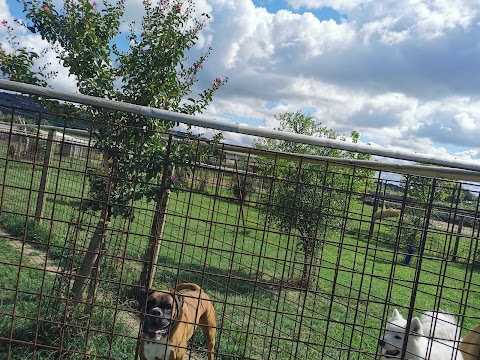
x=414, y=169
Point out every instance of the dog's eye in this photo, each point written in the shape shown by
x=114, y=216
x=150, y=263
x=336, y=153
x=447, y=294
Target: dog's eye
x=398, y=337
x=165, y=305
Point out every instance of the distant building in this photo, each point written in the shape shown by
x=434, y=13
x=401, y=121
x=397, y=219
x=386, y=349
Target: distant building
x=72, y=146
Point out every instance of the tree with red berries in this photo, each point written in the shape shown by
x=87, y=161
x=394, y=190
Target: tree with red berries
x=152, y=69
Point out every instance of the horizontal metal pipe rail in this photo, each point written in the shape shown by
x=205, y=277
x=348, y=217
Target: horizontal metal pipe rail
x=203, y=121
x=411, y=169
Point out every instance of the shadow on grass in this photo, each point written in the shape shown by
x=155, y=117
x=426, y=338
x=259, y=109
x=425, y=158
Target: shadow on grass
x=59, y=200
x=221, y=281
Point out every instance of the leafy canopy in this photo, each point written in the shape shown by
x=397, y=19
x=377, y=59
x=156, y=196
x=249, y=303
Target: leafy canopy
x=153, y=69
x=307, y=196
x=304, y=197
x=420, y=192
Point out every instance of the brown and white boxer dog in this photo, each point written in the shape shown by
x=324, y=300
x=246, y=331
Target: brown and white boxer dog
x=171, y=319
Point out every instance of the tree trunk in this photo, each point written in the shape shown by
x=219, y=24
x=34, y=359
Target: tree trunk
x=85, y=271
x=309, y=248
x=93, y=285
x=158, y=224
x=306, y=247
x=155, y=240
x=95, y=246
x=305, y=281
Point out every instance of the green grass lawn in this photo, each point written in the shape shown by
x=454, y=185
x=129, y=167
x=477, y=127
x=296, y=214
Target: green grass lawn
x=26, y=316
x=245, y=265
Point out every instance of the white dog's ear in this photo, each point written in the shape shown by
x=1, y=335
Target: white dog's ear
x=396, y=314
x=416, y=326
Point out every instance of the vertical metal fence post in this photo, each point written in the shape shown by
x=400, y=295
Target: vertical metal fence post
x=457, y=240
x=45, y=177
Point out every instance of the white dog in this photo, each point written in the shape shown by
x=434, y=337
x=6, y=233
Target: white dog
x=435, y=336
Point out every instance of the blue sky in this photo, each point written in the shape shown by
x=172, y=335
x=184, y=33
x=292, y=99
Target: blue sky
x=403, y=73
x=15, y=8
x=324, y=13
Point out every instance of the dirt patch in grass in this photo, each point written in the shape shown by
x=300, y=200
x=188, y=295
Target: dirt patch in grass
x=36, y=258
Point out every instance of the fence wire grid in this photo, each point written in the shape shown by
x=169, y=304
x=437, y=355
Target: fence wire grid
x=301, y=260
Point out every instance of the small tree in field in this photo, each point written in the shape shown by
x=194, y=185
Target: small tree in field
x=419, y=191
x=305, y=196
x=241, y=187
x=152, y=69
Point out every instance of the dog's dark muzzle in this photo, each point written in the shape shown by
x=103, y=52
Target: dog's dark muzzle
x=155, y=323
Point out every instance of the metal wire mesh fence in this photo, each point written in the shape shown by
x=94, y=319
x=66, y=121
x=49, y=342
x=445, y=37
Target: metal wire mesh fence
x=302, y=258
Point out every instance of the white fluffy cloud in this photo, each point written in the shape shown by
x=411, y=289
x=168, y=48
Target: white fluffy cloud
x=396, y=71
x=263, y=41
x=453, y=121
x=33, y=42
x=403, y=73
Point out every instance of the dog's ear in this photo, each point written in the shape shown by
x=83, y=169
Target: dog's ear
x=142, y=296
x=416, y=326
x=396, y=315
x=178, y=300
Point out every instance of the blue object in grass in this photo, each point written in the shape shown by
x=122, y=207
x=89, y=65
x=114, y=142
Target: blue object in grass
x=409, y=255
